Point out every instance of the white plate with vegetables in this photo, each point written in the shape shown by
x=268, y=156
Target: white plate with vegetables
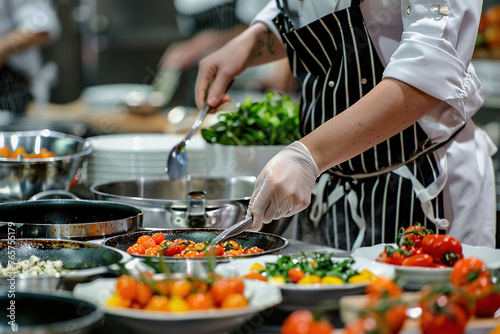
x=338, y=277
x=260, y=296
x=416, y=277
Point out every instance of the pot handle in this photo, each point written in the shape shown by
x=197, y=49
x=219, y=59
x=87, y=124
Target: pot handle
x=53, y=194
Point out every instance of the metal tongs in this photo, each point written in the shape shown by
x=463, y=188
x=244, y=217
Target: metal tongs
x=236, y=229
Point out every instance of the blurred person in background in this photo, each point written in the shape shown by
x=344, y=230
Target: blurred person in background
x=25, y=25
x=209, y=24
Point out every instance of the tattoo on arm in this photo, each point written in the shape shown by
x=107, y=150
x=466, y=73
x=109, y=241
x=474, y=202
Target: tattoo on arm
x=265, y=45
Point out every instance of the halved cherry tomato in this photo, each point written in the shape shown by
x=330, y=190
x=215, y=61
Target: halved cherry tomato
x=419, y=260
x=382, y=287
x=146, y=241
x=127, y=287
x=136, y=249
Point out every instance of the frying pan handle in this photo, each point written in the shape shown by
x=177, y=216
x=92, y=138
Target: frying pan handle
x=53, y=194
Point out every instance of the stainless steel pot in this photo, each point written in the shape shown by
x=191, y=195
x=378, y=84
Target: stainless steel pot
x=68, y=219
x=86, y=260
x=21, y=179
x=187, y=203
x=48, y=312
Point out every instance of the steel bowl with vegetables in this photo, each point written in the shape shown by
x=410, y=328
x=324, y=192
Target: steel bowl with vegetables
x=242, y=142
x=306, y=280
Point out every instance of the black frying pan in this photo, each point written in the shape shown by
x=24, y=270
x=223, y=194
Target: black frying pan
x=73, y=219
x=270, y=243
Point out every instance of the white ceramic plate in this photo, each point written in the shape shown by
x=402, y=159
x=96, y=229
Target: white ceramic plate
x=261, y=296
x=111, y=96
x=296, y=296
x=417, y=277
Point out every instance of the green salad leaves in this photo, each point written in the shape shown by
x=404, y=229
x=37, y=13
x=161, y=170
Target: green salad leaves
x=272, y=121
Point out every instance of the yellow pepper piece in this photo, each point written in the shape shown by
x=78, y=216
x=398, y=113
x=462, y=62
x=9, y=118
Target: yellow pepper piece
x=257, y=267
x=310, y=279
x=178, y=304
x=314, y=263
x=359, y=279
x=332, y=280
x=276, y=280
x=368, y=274
x=118, y=301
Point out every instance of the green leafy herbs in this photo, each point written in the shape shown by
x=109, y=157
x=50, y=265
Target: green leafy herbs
x=316, y=263
x=272, y=121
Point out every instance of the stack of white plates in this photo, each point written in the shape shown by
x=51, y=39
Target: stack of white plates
x=128, y=156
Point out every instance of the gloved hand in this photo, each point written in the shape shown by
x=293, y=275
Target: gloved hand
x=284, y=186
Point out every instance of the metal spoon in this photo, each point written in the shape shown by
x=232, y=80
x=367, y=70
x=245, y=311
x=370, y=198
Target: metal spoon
x=236, y=229
x=177, y=159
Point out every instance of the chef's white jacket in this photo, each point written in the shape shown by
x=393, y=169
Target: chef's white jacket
x=429, y=45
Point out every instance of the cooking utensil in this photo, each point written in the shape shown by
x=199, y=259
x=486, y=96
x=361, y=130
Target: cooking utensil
x=68, y=219
x=166, y=203
x=21, y=179
x=232, y=231
x=270, y=243
x=48, y=312
x=177, y=159
x=88, y=260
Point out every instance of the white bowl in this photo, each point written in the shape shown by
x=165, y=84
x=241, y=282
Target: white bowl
x=417, y=277
x=298, y=296
x=112, y=96
x=148, y=144
x=261, y=296
x=229, y=160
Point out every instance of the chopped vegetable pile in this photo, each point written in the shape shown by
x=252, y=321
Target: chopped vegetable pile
x=268, y=122
x=309, y=269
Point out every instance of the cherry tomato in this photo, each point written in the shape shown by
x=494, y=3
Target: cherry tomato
x=157, y=303
x=236, y=284
x=234, y=300
x=146, y=241
x=487, y=306
x=5, y=152
x=295, y=274
x=199, y=301
x=179, y=287
x=382, y=287
x=136, y=249
x=158, y=238
x=253, y=250
x=443, y=248
x=303, y=322
x=220, y=290
x=472, y=275
x=419, y=260
x=444, y=311
x=126, y=287
x=144, y=294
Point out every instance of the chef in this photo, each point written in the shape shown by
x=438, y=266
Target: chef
x=25, y=25
x=388, y=92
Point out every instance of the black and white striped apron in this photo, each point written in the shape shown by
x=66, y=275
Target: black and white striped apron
x=365, y=200
x=14, y=91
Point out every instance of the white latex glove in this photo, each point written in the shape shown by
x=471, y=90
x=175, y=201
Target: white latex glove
x=284, y=186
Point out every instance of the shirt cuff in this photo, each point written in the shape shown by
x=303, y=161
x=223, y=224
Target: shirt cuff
x=432, y=66
x=266, y=16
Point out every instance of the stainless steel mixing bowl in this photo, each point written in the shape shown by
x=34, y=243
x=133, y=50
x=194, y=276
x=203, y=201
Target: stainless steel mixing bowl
x=21, y=179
